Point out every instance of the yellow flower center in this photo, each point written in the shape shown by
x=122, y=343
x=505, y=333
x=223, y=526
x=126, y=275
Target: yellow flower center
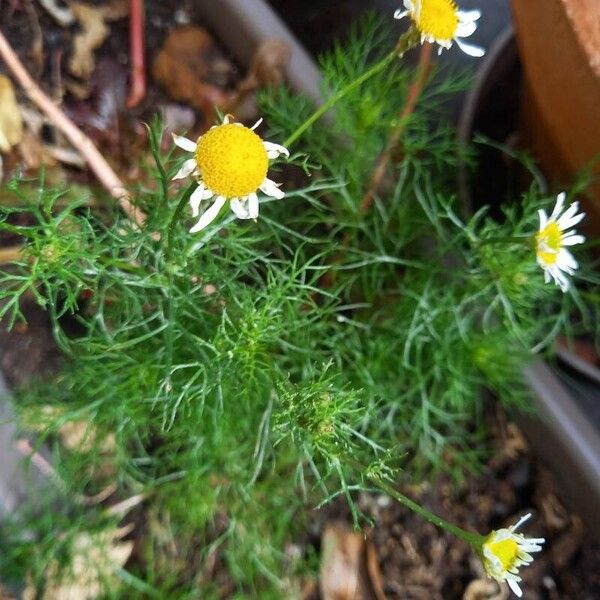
x=232, y=160
x=506, y=551
x=437, y=19
x=548, y=243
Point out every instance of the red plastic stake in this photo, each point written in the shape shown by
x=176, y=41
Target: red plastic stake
x=137, y=53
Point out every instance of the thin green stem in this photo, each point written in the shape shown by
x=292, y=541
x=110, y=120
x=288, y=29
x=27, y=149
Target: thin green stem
x=155, y=148
x=170, y=311
x=407, y=41
x=474, y=539
x=515, y=239
x=175, y=218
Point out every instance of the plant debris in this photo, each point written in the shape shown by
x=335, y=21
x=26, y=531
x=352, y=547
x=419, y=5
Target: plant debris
x=11, y=122
x=193, y=70
x=349, y=568
x=94, y=30
x=96, y=558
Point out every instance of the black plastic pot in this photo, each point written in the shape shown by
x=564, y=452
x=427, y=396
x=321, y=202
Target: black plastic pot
x=566, y=430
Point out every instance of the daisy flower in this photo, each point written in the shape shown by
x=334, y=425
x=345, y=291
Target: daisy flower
x=552, y=239
x=504, y=551
x=230, y=163
x=440, y=22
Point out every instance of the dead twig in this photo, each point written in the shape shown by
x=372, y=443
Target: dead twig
x=10, y=254
x=137, y=53
x=97, y=163
x=412, y=97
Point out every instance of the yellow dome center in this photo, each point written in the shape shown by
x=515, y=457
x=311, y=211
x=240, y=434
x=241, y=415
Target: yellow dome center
x=437, y=19
x=232, y=160
x=548, y=243
x=506, y=551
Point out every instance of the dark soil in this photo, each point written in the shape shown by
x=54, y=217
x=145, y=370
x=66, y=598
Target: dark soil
x=418, y=561
x=28, y=351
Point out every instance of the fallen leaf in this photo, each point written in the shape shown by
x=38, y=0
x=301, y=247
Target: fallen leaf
x=266, y=70
x=96, y=558
x=80, y=435
x=94, y=30
x=485, y=589
x=192, y=69
x=11, y=123
x=345, y=570
x=374, y=571
x=83, y=437
x=267, y=67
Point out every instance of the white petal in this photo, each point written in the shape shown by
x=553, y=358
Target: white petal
x=209, y=215
x=560, y=201
x=240, y=208
x=571, y=213
x=468, y=15
x=400, y=14
x=187, y=168
x=571, y=240
x=566, y=260
x=536, y=540
x=196, y=198
x=274, y=150
x=253, y=205
x=270, y=188
x=532, y=548
x=469, y=49
x=543, y=218
x=465, y=29
x=225, y=120
x=257, y=124
x=571, y=222
x=184, y=143
x=514, y=586
x=520, y=522
x=559, y=278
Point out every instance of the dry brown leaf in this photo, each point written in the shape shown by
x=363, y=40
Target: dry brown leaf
x=374, y=571
x=83, y=437
x=96, y=557
x=94, y=31
x=266, y=70
x=485, y=589
x=188, y=64
x=345, y=569
x=11, y=123
x=80, y=436
x=33, y=153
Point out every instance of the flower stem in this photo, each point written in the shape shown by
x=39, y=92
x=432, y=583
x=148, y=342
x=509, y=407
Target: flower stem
x=407, y=41
x=516, y=239
x=474, y=539
x=185, y=198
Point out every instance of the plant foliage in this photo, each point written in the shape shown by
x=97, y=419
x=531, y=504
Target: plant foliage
x=239, y=376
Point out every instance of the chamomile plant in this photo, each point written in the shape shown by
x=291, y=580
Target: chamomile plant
x=231, y=369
